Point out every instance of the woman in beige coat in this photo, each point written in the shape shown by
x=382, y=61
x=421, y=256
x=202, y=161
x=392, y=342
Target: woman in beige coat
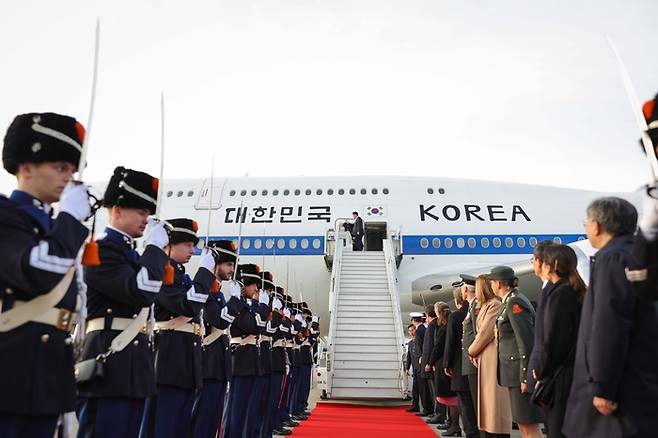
x=494, y=411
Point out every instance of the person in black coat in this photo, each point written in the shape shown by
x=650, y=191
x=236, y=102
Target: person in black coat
x=452, y=364
x=357, y=232
x=426, y=373
x=423, y=388
x=36, y=370
x=178, y=363
x=615, y=390
x=411, y=366
x=560, y=319
x=119, y=290
x=441, y=380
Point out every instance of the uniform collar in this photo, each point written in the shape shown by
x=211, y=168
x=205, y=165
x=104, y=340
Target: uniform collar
x=613, y=245
x=119, y=236
x=509, y=295
x=176, y=265
x=38, y=210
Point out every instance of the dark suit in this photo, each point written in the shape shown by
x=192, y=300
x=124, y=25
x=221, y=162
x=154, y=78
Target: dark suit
x=469, y=370
x=561, y=315
x=411, y=364
x=36, y=370
x=441, y=380
x=452, y=359
x=357, y=234
x=539, y=336
x=617, y=352
x=426, y=390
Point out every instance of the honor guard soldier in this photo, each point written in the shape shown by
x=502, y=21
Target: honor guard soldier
x=515, y=336
x=287, y=329
x=36, y=370
x=250, y=317
x=306, y=362
x=178, y=367
x=278, y=363
x=119, y=293
x=217, y=367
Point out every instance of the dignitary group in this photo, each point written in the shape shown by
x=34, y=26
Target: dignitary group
x=581, y=362
x=130, y=342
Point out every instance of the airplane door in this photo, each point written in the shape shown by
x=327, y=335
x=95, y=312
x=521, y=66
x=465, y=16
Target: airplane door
x=203, y=201
x=374, y=234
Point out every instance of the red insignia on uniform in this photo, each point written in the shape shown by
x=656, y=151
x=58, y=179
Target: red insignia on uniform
x=516, y=309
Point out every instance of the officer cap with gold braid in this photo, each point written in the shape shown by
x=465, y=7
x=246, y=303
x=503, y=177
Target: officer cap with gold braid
x=183, y=230
x=42, y=137
x=131, y=189
x=248, y=274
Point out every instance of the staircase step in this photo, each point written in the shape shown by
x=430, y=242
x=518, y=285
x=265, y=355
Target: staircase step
x=364, y=348
x=348, y=298
x=364, y=319
x=348, y=332
x=363, y=383
x=358, y=312
x=364, y=365
x=366, y=374
x=384, y=328
x=371, y=357
x=365, y=341
x=365, y=393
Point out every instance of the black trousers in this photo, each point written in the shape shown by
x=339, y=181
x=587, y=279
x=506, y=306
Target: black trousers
x=473, y=384
x=415, y=392
x=357, y=243
x=467, y=411
x=426, y=397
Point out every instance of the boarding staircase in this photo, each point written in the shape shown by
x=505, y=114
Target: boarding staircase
x=366, y=342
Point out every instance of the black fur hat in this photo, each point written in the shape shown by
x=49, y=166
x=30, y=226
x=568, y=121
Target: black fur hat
x=225, y=249
x=183, y=230
x=131, y=189
x=650, y=111
x=249, y=274
x=42, y=137
x=267, y=281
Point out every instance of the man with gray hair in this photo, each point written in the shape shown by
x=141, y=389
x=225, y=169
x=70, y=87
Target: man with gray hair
x=615, y=384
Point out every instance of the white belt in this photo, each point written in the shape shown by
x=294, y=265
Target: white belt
x=249, y=340
x=279, y=343
x=215, y=334
x=190, y=327
x=56, y=317
x=117, y=324
x=296, y=347
x=266, y=338
x=289, y=343
x=306, y=344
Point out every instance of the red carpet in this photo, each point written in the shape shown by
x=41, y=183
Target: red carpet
x=344, y=421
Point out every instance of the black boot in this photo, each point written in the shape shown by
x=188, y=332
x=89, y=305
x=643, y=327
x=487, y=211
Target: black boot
x=454, y=429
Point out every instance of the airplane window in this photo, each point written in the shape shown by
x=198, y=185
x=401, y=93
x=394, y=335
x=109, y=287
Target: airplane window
x=316, y=243
x=297, y=192
x=286, y=192
x=509, y=242
x=436, y=242
x=169, y=194
x=275, y=192
x=341, y=191
x=264, y=193
x=460, y=242
x=424, y=243
x=484, y=242
x=232, y=193
x=364, y=191
x=581, y=238
x=243, y=193
x=448, y=242
x=269, y=243
x=471, y=242
x=179, y=194
x=557, y=240
x=496, y=242
x=430, y=190
x=385, y=191
x=373, y=191
x=352, y=192
x=254, y=192
x=190, y=193
x=441, y=191
x=308, y=192
x=330, y=191
x=304, y=243
x=533, y=242
x=246, y=243
x=293, y=243
x=318, y=192
x=258, y=243
x=520, y=242
x=281, y=244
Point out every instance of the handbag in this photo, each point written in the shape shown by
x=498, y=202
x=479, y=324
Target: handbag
x=544, y=393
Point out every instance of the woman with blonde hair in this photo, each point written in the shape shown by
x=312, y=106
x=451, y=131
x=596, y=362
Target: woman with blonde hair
x=494, y=410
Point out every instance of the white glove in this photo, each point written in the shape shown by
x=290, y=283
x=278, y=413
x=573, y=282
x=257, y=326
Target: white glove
x=298, y=317
x=207, y=260
x=286, y=313
x=303, y=324
x=235, y=289
x=155, y=233
x=277, y=304
x=75, y=201
x=287, y=370
x=315, y=319
x=649, y=220
x=263, y=298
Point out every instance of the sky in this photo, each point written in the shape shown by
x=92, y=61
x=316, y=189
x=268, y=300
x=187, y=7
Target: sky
x=505, y=91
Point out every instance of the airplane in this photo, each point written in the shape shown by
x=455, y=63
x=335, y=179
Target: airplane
x=441, y=227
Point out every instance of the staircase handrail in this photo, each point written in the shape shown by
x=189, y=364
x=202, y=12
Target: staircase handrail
x=333, y=304
x=394, y=291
